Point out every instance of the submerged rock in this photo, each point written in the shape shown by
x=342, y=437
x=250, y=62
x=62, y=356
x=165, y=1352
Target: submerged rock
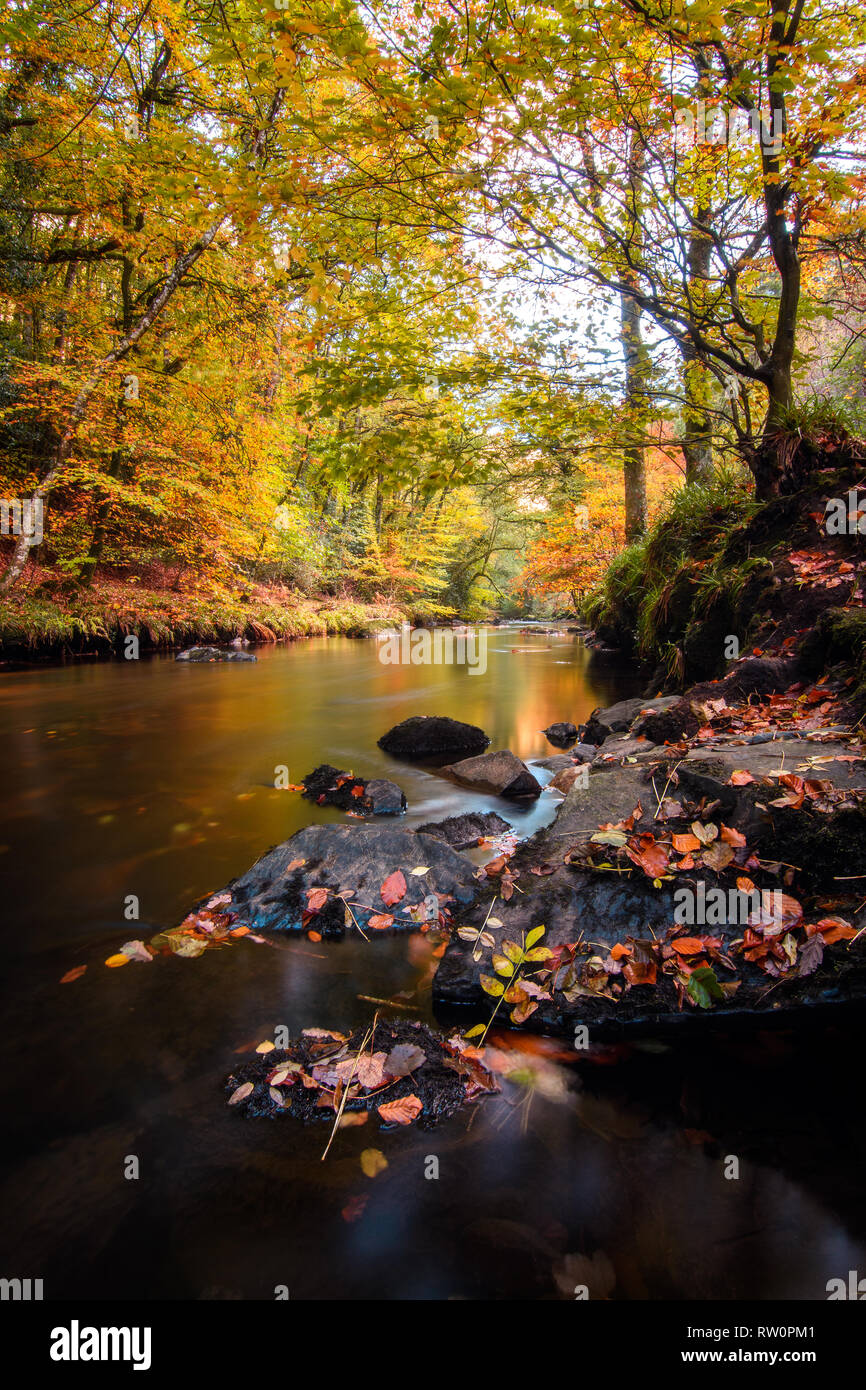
x=502, y=772
x=432, y=735
x=561, y=735
x=214, y=654
x=350, y=866
x=330, y=786
x=403, y=1074
x=463, y=832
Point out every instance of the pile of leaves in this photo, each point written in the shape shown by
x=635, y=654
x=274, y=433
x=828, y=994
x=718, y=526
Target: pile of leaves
x=399, y=1072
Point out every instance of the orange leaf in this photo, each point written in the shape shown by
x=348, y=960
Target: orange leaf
x=732, y=837
x=740, y=778
x=618, y=951
x=381, y=921
x=402, y=1111
x=74, y=974
x=688, y=945
x=683, y=843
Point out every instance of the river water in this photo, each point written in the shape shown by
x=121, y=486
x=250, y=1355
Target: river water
x=156, y=779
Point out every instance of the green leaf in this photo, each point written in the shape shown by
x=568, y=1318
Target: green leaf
x=703, y=987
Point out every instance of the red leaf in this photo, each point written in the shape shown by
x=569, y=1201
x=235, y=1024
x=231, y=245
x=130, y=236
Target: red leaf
x=393, y=889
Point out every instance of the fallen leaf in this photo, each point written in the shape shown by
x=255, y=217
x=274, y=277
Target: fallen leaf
x=74, y=974
x=402, y=1111
x=241, y=1093
x=117, y=960
x=380, y=921
x=265, y=1046
x=373, y=1161
x=740, y=778
x=393, y=889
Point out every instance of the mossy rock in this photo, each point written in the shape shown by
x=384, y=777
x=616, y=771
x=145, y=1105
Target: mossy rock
x=838, y=636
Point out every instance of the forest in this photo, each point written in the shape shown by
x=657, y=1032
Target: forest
x=318, y=315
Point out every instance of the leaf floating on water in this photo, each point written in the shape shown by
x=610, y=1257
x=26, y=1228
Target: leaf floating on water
x=393, y=889
x=354, y=1208
x=402, y=1111
x=373, y=1161
x=117, y=960
x=351, y=1118
x=136, y=950
x=74, y=974
x=241, y=1093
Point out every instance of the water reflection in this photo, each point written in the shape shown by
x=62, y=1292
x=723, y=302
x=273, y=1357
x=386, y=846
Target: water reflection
x=158, y=780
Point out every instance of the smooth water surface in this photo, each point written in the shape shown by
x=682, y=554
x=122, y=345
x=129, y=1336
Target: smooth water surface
x=157, y=779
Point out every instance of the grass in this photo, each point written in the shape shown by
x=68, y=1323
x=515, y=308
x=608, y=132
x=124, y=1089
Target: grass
x=46, y=619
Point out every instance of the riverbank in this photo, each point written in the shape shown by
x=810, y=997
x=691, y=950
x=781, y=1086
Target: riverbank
x=45, y=619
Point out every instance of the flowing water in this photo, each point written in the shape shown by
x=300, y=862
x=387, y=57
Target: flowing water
x=156, y=779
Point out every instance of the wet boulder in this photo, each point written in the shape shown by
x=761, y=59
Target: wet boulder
x=501, y=772
x=330, y=786
x=669, y=725
x=431, y=735
x=566, y=778
x=561, y=734
x=334, y=877
x=463, y=832
x=618, y=718
x=206, y=654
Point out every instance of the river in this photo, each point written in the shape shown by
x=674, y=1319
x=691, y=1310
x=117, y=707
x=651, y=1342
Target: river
x=156, y=779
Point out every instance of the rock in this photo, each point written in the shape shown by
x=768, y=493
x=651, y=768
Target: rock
x=353, y=861
x=213, y=654
x=561, y=735
x=566, y=777
x=385, y=797
x=330, y=786
x=668, y=725
x=501, y=772
x=557, y=762
x=622, y=746
x=573, y=901
x=755, y=675
x=428, y=736
x=463, y=832
x=620, y=717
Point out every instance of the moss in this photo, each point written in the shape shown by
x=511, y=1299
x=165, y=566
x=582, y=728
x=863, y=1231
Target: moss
x=838, y=638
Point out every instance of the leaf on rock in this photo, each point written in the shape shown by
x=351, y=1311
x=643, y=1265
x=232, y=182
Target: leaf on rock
x=402, y=1111
x=404, y=1059
x=393, y=889
x=241, y=1093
